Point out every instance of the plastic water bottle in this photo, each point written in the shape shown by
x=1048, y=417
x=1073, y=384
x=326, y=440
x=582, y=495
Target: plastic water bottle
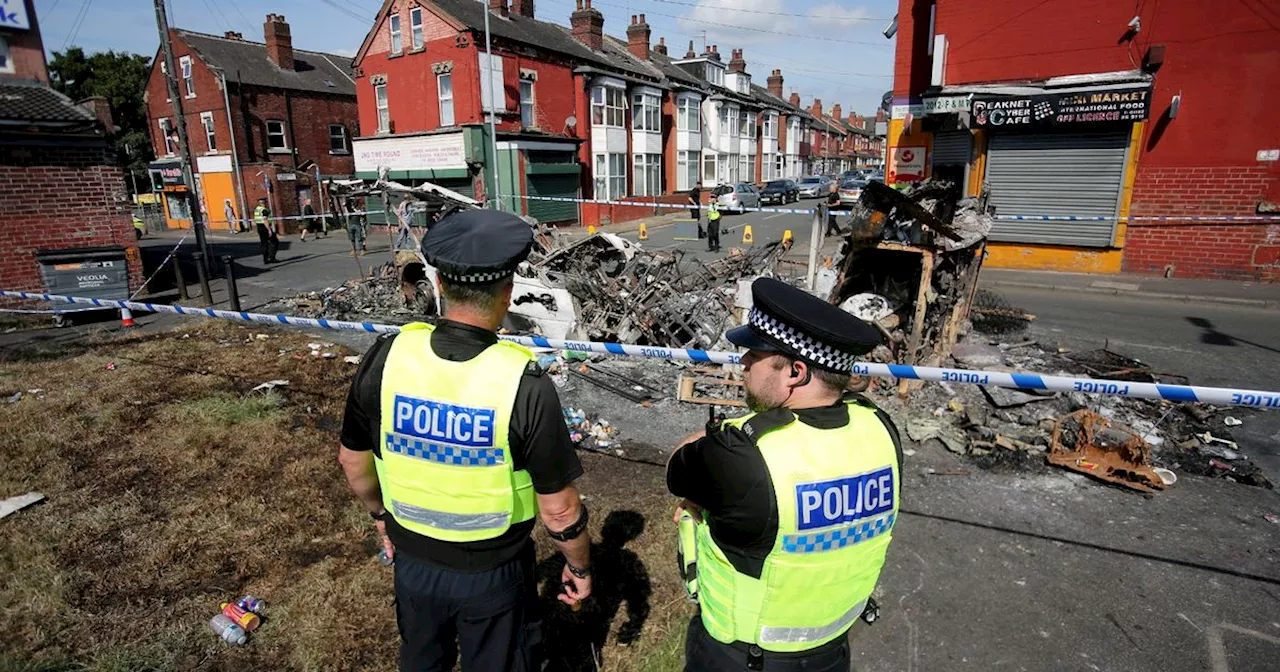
x=228, y=630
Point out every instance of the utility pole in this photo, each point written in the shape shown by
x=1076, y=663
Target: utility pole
x=493, y=109
x=188, y=165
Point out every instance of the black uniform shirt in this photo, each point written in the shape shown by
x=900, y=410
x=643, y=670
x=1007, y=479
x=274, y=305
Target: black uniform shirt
x=538, y=437
x=725, y=474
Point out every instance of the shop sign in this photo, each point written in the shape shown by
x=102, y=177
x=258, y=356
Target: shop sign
x=424, y=152
x=1058, y=110
x=906, y=164
x=947, y=104
x=13, y=15
x=287, y=177
x=170, y=173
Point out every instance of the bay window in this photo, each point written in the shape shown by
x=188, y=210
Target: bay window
x=687, y=115
x=647, y=176
x=608, y=105
x=611, y=176
x=646, y=112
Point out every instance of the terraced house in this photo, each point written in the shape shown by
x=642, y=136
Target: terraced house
x=576, y=113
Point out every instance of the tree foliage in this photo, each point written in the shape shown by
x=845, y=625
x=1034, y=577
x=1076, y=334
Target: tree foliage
x=121, y=78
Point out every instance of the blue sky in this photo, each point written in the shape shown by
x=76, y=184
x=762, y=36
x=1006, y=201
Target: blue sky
x=834, y=49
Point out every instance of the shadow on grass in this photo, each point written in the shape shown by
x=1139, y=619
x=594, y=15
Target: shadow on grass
x=574, y=640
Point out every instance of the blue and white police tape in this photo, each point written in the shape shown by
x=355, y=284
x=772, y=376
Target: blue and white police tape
x=651, y=204
x=1223, y=396
x=1163, y=218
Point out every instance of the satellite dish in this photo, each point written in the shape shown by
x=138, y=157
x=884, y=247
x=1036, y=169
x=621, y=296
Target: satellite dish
x=571, y=121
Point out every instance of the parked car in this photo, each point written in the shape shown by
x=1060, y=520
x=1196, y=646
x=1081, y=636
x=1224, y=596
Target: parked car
x=814, y=186
x=737, y=197
x=877, y=176
x=780, y=191
x=850, y=175
x=850, y=191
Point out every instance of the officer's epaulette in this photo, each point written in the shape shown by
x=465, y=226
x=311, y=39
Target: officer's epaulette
x=532, y=369
x=763, y=423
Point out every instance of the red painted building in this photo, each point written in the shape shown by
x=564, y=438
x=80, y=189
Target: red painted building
x=1085, y=108
x=60, y=185
x=293, y=113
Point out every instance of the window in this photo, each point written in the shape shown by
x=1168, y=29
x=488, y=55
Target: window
x=723, y=112
x=396, y=45
x=6, y=61
x=708, y=168
x=735, y=167
x=770, y=126
x=444, y=90
x=415, y=27
x=686, y=170
x=608, y=105
x=715, y=74
x=384, y=110
x=275, y=135
x=492, y=89
x=745, y=126
x=687, y=115
x=187, y=81
x=744, y=168
x=337, y=139
x=647, y=178
x=206, y=120
x=646, y=115
x=527, y=118
x=733, y=120
x=611, y=175
x=170, y=140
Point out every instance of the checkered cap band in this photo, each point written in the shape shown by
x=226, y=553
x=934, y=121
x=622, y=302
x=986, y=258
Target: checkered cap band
x=478, y=278
x=801, y=344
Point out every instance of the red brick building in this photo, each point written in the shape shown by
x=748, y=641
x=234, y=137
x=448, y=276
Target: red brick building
x=293, y=111
x=1082, y=108
x=60, y=186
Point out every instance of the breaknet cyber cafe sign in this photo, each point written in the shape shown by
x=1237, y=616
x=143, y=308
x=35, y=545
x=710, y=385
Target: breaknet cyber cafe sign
x=13, y=15
x=1057, y=110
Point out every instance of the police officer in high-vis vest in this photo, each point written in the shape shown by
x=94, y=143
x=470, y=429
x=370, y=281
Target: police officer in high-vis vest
x=454, y=441
x=268, y=236
x=788, y=511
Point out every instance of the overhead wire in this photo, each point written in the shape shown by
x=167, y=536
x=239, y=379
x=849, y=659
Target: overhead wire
x=217, y=17
x=344, y=10
x=77, y=23
x=726, y=8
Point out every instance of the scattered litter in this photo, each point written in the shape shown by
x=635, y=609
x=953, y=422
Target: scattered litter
x=1087, y=442
x=1001, y=397
x=597, y=435
x=978, y=355
x=1232, y=422
x=15, y=397
x=921, y=430
x=1208, y=438
x=261, y=337
x=270, y=385
x=1217, y=450
x=1166, y=475
x=1271, y=518
x=15, y=504
x=111, y=366
x=351, y=359
x=867, y=307
x=329, y=355
x=954, y=471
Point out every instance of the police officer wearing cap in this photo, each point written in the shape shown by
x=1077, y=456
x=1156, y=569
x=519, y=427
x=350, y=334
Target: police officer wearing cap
x=454, y=441
x=787, y=511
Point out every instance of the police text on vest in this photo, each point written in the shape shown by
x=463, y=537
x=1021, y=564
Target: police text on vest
x=844, y=500
x=443, y=423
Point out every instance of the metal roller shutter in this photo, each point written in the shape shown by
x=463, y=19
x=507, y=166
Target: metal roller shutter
x=1056, y=174
x=462, y=185
x=951, y=148
x=558, y=185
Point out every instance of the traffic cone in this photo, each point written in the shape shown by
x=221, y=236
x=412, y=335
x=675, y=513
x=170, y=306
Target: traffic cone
x=126, y=318
x=644, y=231
x=786, y=236
x=591, y=230
x=746, y=235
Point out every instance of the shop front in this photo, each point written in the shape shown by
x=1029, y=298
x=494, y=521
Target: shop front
x=438, y=158
x=175, y=199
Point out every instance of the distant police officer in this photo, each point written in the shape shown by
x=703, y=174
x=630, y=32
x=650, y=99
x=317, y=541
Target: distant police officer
x=788, y=511
x=268, y=236
x=454, y=440
x=713, y=226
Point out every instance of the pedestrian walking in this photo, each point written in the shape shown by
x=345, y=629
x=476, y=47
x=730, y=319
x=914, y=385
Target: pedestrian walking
x=833, y=228
x=713, y=226
x=310, y=221
x=229, y=213
x=471, y=449
x=787, y=511
x=695, y=207
x=268, y=235
x=355, y=227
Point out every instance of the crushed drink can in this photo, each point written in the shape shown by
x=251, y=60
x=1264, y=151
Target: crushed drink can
x=245, y=619
x=253, y=604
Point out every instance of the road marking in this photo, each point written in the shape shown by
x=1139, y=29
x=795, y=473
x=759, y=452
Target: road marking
x=781, y=214
x=1218, y=649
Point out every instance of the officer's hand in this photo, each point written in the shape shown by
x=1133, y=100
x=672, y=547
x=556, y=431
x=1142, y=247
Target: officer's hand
x=386, y=541
x=575, y=589
x=694, y=510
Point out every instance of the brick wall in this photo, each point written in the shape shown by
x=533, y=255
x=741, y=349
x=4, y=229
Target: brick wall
x=1219, y=250
x=54, y=197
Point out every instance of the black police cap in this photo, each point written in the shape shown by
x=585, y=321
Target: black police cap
x=477, y=246
x=794, y=322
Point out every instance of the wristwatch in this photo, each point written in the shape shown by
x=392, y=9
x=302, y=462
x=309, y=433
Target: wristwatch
x=379, y=516
x=580, y=573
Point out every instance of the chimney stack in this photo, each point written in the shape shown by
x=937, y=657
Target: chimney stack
x=775, y=83
x=816, y=108
x=835, y=112
x=795, y=99
x=523, y=8
x=100, y=108
x=233, y=35
x=498, y=7
x=736, y=64
x=691, y=53
x=662, y=46
x=588, y=25
x=279, y=42
x=638, y=37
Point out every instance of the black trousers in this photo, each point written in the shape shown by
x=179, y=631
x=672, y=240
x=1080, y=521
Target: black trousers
x=269, y=243
x=487, y=616
x=702, y=653
x=713, y=235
